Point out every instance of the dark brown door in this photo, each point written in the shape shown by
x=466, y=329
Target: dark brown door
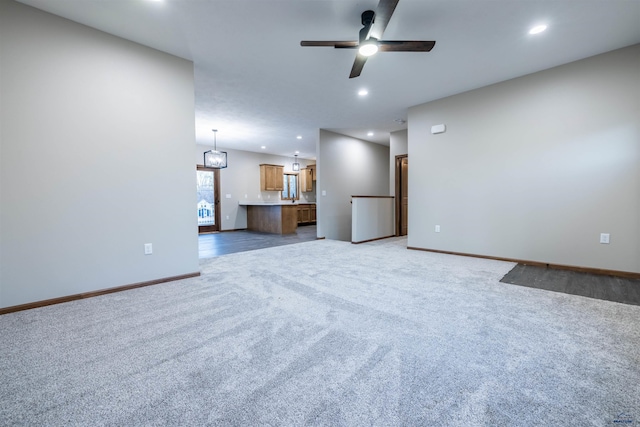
x=402, y=195
x=208, y=188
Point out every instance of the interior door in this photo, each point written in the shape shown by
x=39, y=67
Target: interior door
x=208, y=188
x=402, y=195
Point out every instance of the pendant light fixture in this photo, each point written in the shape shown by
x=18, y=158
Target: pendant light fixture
x=295, y=166
x=213, y=158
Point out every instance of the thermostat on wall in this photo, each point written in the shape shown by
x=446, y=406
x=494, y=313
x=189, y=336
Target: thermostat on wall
x=438, y=129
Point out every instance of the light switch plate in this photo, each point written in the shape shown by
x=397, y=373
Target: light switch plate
x=604, y=238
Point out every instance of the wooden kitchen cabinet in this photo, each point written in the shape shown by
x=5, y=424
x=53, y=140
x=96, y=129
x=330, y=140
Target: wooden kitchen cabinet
x=278, y=219
x=303, y=215
x=271, y=177
x=306, y=180
x=312, y=168
x=306, y=213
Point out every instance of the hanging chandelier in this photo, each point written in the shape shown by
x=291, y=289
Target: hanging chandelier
x=213, y=158
x=295, y=166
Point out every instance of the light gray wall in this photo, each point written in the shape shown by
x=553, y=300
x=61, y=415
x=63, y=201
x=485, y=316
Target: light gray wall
x=534, y=168
x=372, y=218
x=398, y=145
x=241, y=182
x=96, y=152
x=347, y=167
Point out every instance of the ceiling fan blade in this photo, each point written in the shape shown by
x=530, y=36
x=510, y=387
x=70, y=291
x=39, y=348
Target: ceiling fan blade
x=337, y=44
x=358, y=65
x=405, y=46
x=384, y=11
x=374, y=24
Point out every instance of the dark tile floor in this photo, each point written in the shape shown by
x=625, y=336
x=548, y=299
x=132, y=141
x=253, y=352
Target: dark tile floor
x=610, y=288
x=227, y=242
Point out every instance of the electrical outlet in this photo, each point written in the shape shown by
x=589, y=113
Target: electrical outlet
x=227, y=216
x=228, y=196
x=604, y=238
x=148, y=248
x=437, y=228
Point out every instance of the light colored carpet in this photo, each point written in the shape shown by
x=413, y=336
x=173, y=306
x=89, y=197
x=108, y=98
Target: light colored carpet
x=325, y=333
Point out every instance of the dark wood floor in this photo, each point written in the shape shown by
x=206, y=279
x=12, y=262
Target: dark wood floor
x=227, y=242
x=617, y=289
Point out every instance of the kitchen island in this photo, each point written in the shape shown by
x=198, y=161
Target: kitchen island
x=278, y=217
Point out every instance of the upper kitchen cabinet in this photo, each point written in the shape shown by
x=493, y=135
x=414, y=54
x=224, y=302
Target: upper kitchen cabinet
x=312, y=168
x=306, y=180
x=271, y=177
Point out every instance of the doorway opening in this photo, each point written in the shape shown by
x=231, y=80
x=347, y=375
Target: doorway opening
x=402, y=195
x=208, y=188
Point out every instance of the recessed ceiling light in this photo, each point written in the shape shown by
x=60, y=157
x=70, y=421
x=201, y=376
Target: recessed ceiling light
x=299, y=137
x=537, y=29
x=264, y=147
x=369, y=133
x=297, y=152
x=363, y=92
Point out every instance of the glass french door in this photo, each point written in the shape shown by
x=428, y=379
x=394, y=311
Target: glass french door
x=208, y=187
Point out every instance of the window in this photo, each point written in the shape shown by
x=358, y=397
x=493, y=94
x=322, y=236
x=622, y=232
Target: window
x=290, y=191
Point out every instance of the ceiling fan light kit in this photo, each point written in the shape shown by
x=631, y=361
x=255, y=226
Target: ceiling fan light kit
x=368, y=47
x=374, y=23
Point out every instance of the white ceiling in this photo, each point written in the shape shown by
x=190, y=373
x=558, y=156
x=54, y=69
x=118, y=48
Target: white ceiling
x=258, y=86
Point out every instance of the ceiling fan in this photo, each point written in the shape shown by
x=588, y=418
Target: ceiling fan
x=369, y=41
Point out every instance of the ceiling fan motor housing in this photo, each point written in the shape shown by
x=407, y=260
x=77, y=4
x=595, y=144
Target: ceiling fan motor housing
x=368, y=17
